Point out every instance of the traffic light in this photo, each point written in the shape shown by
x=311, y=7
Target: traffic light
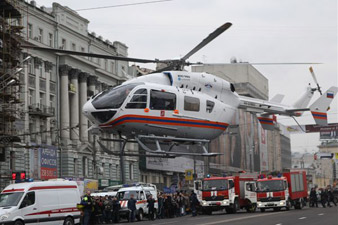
x=19, y=175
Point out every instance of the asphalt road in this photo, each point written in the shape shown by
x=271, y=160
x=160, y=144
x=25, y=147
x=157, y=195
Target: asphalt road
x=306, y=216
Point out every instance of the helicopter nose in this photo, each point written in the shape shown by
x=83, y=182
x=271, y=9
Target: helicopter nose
x=87, y=109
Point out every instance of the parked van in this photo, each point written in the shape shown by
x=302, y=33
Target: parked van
x=43, y=202
x=103, y=194
x=141, y=192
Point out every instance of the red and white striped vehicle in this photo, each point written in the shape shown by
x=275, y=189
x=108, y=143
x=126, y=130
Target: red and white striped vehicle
x=43, y=202
x=140, y=192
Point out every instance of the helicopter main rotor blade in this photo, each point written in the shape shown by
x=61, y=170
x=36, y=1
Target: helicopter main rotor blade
x=208, y=39
x=119, y=58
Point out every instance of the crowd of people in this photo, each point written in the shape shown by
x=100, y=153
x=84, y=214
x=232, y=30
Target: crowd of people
x=105, y=210
x=323, y=195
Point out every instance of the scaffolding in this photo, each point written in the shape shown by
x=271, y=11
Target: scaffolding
x=10, y=42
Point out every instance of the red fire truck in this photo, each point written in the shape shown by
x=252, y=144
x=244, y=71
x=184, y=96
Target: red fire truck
x=287, y=190
x=230, y=193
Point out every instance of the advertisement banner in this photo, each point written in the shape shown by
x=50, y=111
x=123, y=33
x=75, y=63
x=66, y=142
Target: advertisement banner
x=48, y=160
x=91, y=185
x=189, y=174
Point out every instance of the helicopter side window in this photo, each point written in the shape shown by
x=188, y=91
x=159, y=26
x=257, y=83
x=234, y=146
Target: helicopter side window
x=191, y=104
x=139, y=100
x=210, y=106
x=160, y=100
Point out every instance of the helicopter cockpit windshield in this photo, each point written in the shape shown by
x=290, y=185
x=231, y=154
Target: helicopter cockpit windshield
x=113, y=98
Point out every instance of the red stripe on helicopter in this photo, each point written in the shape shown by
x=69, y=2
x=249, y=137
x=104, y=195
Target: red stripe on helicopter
x=265, y=120
x=166, y=121
x=319, y=115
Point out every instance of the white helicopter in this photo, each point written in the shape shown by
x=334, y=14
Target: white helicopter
x=176, y=106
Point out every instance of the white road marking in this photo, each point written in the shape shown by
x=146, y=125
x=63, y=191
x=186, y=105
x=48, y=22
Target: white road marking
x=175, y=221
x=320, y=214
x=241, y=218
x=279, y=224
x=301, y=218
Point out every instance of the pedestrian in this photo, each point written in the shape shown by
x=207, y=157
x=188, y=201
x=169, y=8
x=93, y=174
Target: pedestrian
x=160, y=212
x=87, y=210
x=323, y=197
x=193, y=203
x=313, y=198
x=330, y=196
x=151, y=207
x=116, y=210
x=132, y=208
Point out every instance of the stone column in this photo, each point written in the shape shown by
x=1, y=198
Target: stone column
x=92, y=80
x=83, y=99
x=74, y=102
x=64, y=100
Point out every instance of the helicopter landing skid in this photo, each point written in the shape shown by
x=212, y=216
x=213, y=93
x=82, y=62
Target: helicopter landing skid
x=174, y=142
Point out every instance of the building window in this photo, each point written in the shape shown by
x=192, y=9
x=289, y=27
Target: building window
x=75, y=168
x=42, y=99
x=30, y=30
x=117, y=172
x=63, y=44
x=30, y=66
x=82, y=49
x=131, y=171
x=40, y=37
x=51, y=100
x=106, y=64
x=191, y=104
x=12, y=160
x=73, y=46
x=50, y=39
x=160, y=100
x=84, y=166
x=43, y=133
x=31, y=97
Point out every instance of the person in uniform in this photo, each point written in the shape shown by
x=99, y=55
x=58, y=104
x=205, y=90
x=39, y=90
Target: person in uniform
x=87, y=210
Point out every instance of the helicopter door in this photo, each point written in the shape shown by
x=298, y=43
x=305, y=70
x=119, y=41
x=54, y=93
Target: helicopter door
x=138, y=100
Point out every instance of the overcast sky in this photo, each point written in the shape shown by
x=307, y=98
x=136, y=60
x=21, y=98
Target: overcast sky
x=262, y=31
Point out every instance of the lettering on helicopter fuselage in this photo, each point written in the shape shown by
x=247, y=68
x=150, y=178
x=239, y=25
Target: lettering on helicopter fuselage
x=183, y=77
x=162, y=113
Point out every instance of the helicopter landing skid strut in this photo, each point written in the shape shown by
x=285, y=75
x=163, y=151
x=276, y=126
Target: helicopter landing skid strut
x=174, y=142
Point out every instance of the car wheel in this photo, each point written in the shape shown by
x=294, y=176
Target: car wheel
x=18, y=222
x=288, y=206
x=251, y=208
x=68, y=221
x=235, y=206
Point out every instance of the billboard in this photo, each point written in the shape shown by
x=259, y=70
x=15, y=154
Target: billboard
x=48, y=160
x=43, y=162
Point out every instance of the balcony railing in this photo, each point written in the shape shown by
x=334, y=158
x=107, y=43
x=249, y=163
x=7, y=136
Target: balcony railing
x=41, y=110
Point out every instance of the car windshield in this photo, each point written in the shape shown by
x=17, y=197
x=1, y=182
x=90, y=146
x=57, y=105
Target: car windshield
x=113, y=98
x=215, y=185
x=270, y=185
x=10, y=199
x=125, y=195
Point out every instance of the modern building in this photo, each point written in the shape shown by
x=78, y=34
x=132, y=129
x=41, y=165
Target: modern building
x=54, y=88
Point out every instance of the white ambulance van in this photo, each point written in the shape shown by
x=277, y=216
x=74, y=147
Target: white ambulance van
x=43, y=202
x=141, y=192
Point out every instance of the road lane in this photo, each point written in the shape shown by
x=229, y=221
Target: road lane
x=306, y=216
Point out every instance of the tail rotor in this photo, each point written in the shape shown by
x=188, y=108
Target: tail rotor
x=315, y=80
